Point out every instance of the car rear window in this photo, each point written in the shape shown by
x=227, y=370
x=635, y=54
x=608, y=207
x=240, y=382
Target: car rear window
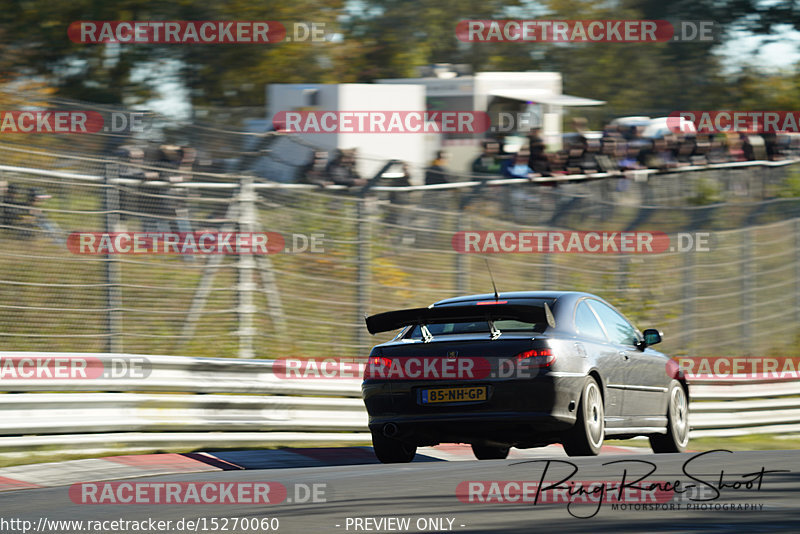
x=504, y=325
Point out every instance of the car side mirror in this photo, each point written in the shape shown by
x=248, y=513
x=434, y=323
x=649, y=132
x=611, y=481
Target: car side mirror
x=651, y=337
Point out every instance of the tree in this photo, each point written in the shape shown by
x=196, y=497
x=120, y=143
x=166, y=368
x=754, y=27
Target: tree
x=218, y=74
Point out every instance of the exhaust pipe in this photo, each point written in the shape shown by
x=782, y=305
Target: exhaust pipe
x=390, y=430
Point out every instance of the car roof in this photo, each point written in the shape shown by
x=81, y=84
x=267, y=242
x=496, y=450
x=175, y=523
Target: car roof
x=515, y=295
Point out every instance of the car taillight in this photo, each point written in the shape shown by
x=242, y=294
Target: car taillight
x=537, y=357
x=377, y=366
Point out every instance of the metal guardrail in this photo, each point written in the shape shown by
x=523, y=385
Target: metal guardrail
x=188, y=402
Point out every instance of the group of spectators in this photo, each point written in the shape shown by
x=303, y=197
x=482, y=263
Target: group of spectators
x=614, y=150
x=21, y=212
x=163, y=208
x=617, y=149
x=340, y=169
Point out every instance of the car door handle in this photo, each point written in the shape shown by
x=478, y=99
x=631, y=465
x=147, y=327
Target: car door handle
x=624, y=354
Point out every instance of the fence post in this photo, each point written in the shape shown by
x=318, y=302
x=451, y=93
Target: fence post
x=747, y=289
x=623, y=266
x=113, y=271
x=461, y=258
x=689, y=295
x=550, y=273
x=363, y=261
x=245, y=269
x=797, y=270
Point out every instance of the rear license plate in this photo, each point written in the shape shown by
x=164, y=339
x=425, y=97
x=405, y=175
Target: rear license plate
x=468, y=394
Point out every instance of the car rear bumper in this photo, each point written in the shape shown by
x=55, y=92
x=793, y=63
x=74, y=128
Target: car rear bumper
x=517, y=411
x=506, y=428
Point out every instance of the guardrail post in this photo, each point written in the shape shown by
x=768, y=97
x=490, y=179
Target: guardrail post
x=245, y=268
x=113, y=271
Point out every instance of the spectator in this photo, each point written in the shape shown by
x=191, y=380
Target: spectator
x=341, y=170
x=685, y=150
x=607, y=158
x=314, y=172
x=557, y=162
x=716, y=148
x=782, y=146
x=488, y=162
x=575, y=150
x=748, y=151
x=671, y=150
x=518, y=167
x=185, y=157
x=734, y=147
x=39, y=221
x=612, y=131
x=130, y=159
x=770, y=145
x=13, y=210
x=156, y=205
x=630, y=160
x=580, y=125
x=537, y=160
x=396, y=214
x=436, y=173
x=656, y=155
x=591, y=150
x=402, y=181
x=702, y=148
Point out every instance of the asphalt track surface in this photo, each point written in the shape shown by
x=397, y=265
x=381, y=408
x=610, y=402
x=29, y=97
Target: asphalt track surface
x=427, y=489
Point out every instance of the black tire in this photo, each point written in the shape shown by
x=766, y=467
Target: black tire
x=486, y=452
x=392, y=451
x=586, y=437
x=677, y=437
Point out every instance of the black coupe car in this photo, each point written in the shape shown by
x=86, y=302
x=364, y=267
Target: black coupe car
x=520, y=369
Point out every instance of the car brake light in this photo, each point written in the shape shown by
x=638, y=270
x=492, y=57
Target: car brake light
x=537, y=357
x=376, y=365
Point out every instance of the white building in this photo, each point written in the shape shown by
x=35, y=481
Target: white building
x=515, y=102
x=533, y=99
x=374, y=150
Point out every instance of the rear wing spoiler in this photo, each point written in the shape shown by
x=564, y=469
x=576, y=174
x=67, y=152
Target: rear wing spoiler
x=527, y=313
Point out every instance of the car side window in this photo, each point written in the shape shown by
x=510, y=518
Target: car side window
x=586, y=323
x=620, y=331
